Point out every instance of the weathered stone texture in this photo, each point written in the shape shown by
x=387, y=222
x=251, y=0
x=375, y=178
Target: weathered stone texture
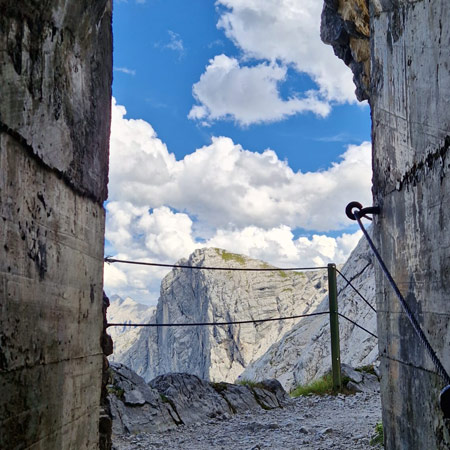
x=410, y=101
x=409, y=93
x=221, y=353
x=345, y=26
x=55, y=78
x=55, y=72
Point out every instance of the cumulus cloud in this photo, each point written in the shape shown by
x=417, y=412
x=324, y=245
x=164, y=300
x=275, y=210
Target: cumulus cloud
x=225, y=186
x=247, y=94
x=278, y=34
x=288, y=30
x=221, y=195
x=167, y=236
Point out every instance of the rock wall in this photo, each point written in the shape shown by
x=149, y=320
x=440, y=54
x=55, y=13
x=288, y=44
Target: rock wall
x=221, y=353
x=55, y=88
x=304, y=352
x=410, y=99
x=411, y=134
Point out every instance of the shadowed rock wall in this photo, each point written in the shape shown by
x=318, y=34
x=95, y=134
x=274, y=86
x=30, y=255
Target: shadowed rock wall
x=410, y=101
x=409, y=93
x=55, y=91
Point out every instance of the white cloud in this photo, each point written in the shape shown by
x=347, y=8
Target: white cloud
x=247, y=94
x=229, y=197
x=162, y=235
x=125, y=70
x=225, y=186
x=278, y=34
x=176, y=43
x=288, y=30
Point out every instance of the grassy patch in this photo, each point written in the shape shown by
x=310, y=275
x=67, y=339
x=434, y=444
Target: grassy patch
x=321, y=386
x=249, y=383
x=226, y=256
x=282, y=274
x=301, y=274
x=378, y=437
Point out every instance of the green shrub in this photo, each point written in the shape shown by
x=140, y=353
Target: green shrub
x=322, y=386
x=378, y=437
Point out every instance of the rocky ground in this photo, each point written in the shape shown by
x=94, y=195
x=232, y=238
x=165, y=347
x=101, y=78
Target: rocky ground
x=309, y=423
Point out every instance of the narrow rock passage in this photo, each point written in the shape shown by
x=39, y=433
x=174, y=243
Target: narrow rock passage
x=309, y=423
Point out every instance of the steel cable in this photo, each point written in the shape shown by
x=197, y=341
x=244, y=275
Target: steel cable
x=199, y=324
x=356, y=290
x=242, y=269
x=415, y=324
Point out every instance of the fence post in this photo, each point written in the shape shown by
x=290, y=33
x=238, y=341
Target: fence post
x=334, y=329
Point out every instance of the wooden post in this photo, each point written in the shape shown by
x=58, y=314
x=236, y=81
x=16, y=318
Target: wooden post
x=334, y=329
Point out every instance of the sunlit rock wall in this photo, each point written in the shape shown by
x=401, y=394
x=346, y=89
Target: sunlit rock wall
x=409, y=93
x=55, y=91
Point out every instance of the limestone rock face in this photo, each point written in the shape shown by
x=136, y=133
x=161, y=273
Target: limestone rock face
x=221, y=353
x=345, y=26
x=303, y=353
x=182, y=399
x=126, y=311
x=135, y=405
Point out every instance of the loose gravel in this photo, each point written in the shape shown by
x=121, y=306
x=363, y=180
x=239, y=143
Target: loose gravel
x=309, y=423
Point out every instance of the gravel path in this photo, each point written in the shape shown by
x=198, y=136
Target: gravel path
x=310, y=423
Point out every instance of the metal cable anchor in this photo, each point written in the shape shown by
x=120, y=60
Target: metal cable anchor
x=362, y=212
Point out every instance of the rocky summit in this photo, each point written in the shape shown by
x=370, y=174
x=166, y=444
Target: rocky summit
x=303, y=353
x=221, y=353
x=292, y=351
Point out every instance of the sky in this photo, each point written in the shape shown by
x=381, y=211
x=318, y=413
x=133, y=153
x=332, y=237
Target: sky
x=233, y=126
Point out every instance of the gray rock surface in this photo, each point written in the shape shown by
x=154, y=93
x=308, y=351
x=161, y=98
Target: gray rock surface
x=126, y=311
x=135, y=406
x=303, y=353
x=221, y=353
x=307, y=423
x=194, y=400
x=178, y=399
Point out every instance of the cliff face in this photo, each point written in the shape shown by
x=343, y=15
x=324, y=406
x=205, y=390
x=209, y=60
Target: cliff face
x=127, y=311
x=55, y=79
x=303, y=353
x=221, y=353
x=409, y=93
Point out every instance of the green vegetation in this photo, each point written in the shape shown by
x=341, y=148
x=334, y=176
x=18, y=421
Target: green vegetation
x=249, y=383
x=367, y=369
x=115, y=390
x=378, y=437
x=231, y=257
x=322, y=386
x=282, y=273
x=164, y=398
x=301, y=274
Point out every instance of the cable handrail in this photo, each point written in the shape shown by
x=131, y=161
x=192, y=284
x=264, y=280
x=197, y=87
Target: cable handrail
x=198, y=324
x=356, y=290
x=109, y=260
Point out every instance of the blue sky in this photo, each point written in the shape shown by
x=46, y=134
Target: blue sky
x=233, y=126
